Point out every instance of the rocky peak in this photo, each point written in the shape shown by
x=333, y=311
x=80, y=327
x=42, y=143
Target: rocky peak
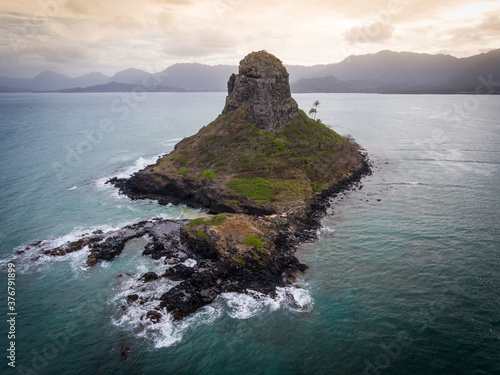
x=263, y=89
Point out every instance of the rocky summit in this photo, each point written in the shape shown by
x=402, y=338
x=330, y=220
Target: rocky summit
x=263, y=89
x=263, y=168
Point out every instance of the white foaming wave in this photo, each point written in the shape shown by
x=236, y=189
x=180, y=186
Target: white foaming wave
x=166, y=332
x=33, y=257
x=101, y=183
x=326, y=230
x=300, y=299
x=189, y=262
x=134, y=315
x=126, y=172
x=72, y=188
x=139, y=164
x=77, y=261
x=172, y=142
x=142, y=268
x=247, y=305
x=244, y=306
x=130, y=284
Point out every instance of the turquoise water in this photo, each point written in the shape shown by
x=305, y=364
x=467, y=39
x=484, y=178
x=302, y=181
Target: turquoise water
x=404, y=279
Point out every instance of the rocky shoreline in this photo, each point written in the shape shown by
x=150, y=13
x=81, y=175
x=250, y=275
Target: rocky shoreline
x=213, y=270
x=263, y=169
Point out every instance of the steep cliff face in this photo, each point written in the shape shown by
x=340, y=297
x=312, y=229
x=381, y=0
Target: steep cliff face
x=263, y=89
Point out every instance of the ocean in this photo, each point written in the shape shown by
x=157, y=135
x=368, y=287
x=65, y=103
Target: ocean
x=403, y=279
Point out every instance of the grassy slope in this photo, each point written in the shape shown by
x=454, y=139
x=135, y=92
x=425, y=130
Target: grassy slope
x=302, y=157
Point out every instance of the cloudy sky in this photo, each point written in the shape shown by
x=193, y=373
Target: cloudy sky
x=75, y=37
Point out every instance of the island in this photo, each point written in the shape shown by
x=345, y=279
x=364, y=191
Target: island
x=264, y=172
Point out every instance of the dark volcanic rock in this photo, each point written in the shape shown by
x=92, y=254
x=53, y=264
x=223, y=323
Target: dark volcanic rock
x=223, y=262
x=262, y=86
x=202, y=284
x=271, y=186
x=178, y=272
x=132, y=298
x=127, y=350
x=107, y=250
x=200, y=193
x=165, y=241
x=163, y=234
x=155, y=249
x=154, y=316
x=149, y=276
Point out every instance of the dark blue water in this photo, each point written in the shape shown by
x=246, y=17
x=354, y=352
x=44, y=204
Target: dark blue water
x=405, y=277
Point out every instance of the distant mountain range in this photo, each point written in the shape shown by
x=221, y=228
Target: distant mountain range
x=404, y=72
x=178, y=77
x=122, y=87
x=382, y=72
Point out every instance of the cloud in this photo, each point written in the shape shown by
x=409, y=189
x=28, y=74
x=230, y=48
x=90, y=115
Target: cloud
x=167, y=21
x=197, y=31
x=77, y=7
x=465, y=37
x=492, y=22
x=203, y=42
x=123, y=21
x=65, y=53
x=375, y=32
x=172, y=2
x=10, y=23
x=118, y=34
x=463, y=34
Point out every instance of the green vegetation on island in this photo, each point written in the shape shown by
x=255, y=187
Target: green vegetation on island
x=262, y=166
x=302, y=157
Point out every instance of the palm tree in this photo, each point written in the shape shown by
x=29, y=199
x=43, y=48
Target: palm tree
x=312, y=113
x=314, y=110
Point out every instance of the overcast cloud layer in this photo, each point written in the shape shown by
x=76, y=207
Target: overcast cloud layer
x=75, y=37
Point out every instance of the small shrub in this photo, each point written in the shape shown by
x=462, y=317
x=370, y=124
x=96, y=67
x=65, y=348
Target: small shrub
x=235, y=203
x=159, y=179
x=317, y=187
x=255, y=188
x=216, y=220
x=349, y=138
x=201, y=234
x=244, y=116
x=196, y=222
x=210, y=174
x=278, y=144
x=183, y=172
x=254, y=241
x=291, y=189
x=239, y=262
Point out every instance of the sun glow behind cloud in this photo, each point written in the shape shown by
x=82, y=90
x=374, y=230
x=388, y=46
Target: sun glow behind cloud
x=77, y=36
x=472, y=11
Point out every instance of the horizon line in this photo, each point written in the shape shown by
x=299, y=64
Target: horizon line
x=236, y=65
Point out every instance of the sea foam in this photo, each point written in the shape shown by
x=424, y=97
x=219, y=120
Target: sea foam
x=168, y=332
